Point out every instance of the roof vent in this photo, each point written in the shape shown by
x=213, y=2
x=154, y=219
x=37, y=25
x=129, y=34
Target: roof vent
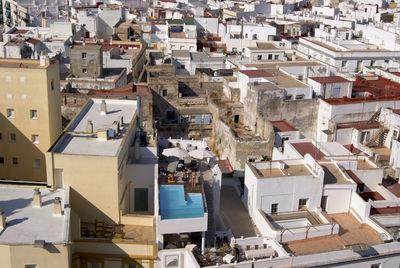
x=103, y=107
x=37, y=198
x=57, y=206
x=3, y=222
x=89, y=126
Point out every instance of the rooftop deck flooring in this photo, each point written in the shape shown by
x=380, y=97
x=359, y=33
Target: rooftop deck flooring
x=351, y=232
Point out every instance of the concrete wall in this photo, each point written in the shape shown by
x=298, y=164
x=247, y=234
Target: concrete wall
x=359, y=208
x=335, y=193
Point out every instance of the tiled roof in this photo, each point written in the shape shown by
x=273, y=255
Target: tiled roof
x=308, y=148
x=282, y=126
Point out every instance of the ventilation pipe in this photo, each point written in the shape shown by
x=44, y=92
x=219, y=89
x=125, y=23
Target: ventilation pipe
x=3, y=222
x=103, y=107
x=89, y=126
x=37, y=198
x=57, y=206
x=139, y=109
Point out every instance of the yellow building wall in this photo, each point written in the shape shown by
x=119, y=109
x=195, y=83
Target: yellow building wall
x=94, y=185
x=26, y=89
x=114, y=254
x=16, y=256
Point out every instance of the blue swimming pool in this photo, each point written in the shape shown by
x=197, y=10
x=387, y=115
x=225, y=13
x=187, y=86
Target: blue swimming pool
x=174, y=206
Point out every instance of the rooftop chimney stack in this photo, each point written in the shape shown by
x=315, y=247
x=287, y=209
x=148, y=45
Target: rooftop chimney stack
x=103, y=107
x=37, y=198
x=139, y=109
x=3, y=222
x=89, y=126
x=57, y=206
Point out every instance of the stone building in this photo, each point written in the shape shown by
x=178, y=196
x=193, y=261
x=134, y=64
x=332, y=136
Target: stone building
x=86, y=60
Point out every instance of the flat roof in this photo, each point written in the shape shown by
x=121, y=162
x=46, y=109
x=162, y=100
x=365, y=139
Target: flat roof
x=351, y=232
x=255, y=73
x=77, y=141
x=330, y=79
x=333, y=175
x=26, y=223
x=22, y=63
x=289, y=170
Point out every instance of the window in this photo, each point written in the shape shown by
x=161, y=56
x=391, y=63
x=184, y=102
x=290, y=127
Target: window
x=372, y=63
x=276, y=57
x=34, y=114
x=1, y=137
x=246, y=35
x=52, y=85
x=35, y=139
x=14, y=161
x=30, y=266
x=83, y=55
x=288, y=97
x=376, y=265
x=274, y=208
x=259, y=57
x=300, y=97
x=36, y=163
x=236, y=118
x=10, y=113
x=270, y=56
x=344, y=63
x=164, y=92
x=254, y=36
x=1, y=161
x=395, y=133
x=13, y=137
x=84, y=70
x=303, y=203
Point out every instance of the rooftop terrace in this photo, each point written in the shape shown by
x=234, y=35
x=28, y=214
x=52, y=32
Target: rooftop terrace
x=76, y=139
x=274, y=169
x=26, y=223
x=351, y=232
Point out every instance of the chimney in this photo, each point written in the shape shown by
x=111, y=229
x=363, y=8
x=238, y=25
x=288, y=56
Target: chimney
x=139, y=109
x=89, y=126
x=103, y=108
x=43, y=59
x=57, y=206
x=3, y=222
x=37, y=198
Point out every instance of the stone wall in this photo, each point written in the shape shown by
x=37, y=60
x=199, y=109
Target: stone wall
x=270, y=105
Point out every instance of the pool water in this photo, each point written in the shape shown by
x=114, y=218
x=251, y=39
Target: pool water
x=174, y=206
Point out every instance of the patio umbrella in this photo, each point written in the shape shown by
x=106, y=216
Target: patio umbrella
x=201, y=154
x=177, y=152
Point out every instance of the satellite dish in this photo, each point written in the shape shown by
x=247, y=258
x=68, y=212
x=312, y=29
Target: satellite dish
x=383, y=236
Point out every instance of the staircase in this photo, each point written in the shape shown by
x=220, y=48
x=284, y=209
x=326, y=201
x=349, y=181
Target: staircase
x=375, y=117
x=210, y=234
x=378, y=139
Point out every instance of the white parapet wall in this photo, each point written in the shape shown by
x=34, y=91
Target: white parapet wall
x=292, y=234
x=188, y=225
